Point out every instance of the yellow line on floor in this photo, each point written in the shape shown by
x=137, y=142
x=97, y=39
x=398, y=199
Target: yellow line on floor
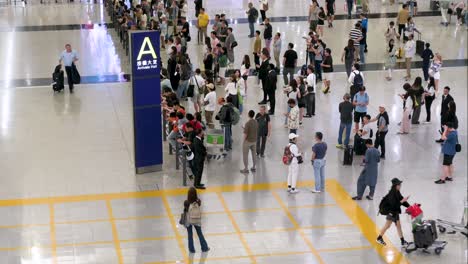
x=115, y=233
x=327, y=226
x=23, y=226
x=389, y=253
x=148, y=239
x=84, y=244
x=344, y=249
x=53, y=239
x=82, y=222
x=172, y=219
x=296, y=225
x=236, y=227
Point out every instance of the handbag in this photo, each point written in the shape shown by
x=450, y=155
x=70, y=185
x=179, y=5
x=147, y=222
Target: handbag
x=76, y=78
x=240, y=99
x=234, y=44
x=458, y=146
x=191, y=90
x=183, y=219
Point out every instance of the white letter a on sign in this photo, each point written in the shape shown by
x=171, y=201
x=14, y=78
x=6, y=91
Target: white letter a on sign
x=145, y=50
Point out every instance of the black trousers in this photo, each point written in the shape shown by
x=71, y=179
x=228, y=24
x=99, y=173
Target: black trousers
x=263, y=14
x=261, y=142
x=264, y=88
x=69, y=71
x=271, y=95
x=425, y=69
x=401, y=30
x=197, y=169
x=310, y=104
x=428, y=102
x=380, y=141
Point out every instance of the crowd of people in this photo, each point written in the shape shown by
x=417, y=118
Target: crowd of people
x=181, y=83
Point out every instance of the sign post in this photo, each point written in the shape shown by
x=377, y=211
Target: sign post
x=147, y=115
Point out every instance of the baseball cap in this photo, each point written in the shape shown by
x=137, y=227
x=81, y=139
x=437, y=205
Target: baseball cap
x=292, y=136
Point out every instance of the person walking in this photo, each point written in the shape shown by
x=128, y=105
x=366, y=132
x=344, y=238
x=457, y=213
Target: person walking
x=313, y=18
x=252, y=17
x=311, y=82
x=410, y=51
x=406, y=116
x=356, y=35
x=356, y=80
x=449, y=149
x=349, y=7
x=198, y=162
x=268, y=33
x=68, y=59
x=444, y=109
x=245, y=71
x=330, y=4
x=317, y=49
x=271, y=88
x=360, y=102
x=391, y=208
x=293, y=116
x=264, y=130
x=210, y=105
x=277, y=50
x=368, y=176
x=348, y=57
x=346, y=120
x=382, y=129
x=426, y=56
x=429, y=97
x=417, y=92
x=401, y=19
x=250, y=142
x=192, y=209
x=434, y=70
x=293, y=170
x=203, y=21
x=289, y=64
x=319, y=151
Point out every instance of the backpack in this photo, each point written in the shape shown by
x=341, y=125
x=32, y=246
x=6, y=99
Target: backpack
x=194, y=213
x=358, y=82
x=235, y=115
x=383, y=206
x=255, y=13
x=287, y=155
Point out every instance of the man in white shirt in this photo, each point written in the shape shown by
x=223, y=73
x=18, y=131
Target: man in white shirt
x=67, y=59
x=355, y=82
x=410, y=51
x=198, y=82
x=365, y=131
x=210, y=105
x=263, y=8
x=311, y=88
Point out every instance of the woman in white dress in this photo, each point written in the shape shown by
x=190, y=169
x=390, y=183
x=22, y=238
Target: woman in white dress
x=434, y=70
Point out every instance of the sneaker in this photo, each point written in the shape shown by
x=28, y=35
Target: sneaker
x=449, y=179
x=339, y=146
x=289, y=190
x=253, y=169
x=204, y=251
x=368, y=197
x=315, y=191
x=381, y=241
x=294, y=191
x=404, y=243
x=357, y=198
x=244, y=171
x=262, y=155
x=439, y=181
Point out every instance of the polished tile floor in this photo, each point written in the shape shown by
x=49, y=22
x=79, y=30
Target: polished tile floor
x=69, y=194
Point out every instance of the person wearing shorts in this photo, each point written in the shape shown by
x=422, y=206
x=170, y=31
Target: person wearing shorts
x=391, y=207
x=360, y=102
x=330, y=12
x=327, y=68
x=450, y=137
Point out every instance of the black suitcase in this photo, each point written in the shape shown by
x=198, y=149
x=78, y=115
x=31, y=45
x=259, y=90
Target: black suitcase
x=348, y=155
x=419, y=46
x=58, y=79
x=425, y=234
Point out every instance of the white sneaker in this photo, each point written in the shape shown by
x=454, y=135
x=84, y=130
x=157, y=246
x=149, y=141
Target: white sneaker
x=289, y=189
x=315, y=191
x=294, y=191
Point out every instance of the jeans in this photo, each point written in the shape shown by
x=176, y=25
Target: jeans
x=343, y=126
x=349, y=6
x=261, y=142
x=319, y=173
x=311, y=58
x=318, y=69
x=425, y=69
x=286, y=71
x=286, y=118
x=362, y=47
x=203, y=244
x=181, y=89
x=227, y=136
x=252, y=29
x=310, y=104
x=380, y=141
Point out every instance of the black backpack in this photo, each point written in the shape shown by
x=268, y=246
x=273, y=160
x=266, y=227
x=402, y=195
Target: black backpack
x=383, y=206
x=358, y=82
x=228, y=115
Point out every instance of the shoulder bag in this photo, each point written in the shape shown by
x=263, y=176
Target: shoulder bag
x=458, y=146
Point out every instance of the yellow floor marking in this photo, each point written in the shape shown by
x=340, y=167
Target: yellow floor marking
x=115, y=233
x=53, y=239
x=134, y=240
x=77, y=222
x=344, y=249
x=236, y=227
x=389, y=253
x=172, y=219
x=83, y=244
x=296, y=225
x=23, y=226
x=327, y=226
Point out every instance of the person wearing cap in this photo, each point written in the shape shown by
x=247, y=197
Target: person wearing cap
x=210, y=104
x=382, y=129
x=346, y=120
x=368, y=176
x=450, y=137
x=293, y=169
x=392, y=203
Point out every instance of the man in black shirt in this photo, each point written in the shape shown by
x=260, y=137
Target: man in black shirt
x=327, y=68
x=271, y=87
x=263, y=73
x=264, y=130
x=427, y=56
x=346, y=120
x=446, y=99
x=198, y=162
x=289, y=64
x=185, y=30
x=268, y=33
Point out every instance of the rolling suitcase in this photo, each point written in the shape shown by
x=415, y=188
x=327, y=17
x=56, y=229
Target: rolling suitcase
x=58, y=79
x=419, y=45
x=425, y=234
x=348, y=155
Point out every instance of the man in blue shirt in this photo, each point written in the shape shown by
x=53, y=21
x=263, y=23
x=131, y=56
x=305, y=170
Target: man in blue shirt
x=360, y=101
x=450, y=137
x=67, y=59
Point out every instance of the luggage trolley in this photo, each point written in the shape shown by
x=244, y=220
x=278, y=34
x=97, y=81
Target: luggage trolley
x=453, y=228
x=215, y=144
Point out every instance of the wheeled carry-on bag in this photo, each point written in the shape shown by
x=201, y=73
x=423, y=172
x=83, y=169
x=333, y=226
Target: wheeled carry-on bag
x=419, y=45
x=348, y=155
x=58, y=79
x=425, y=234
